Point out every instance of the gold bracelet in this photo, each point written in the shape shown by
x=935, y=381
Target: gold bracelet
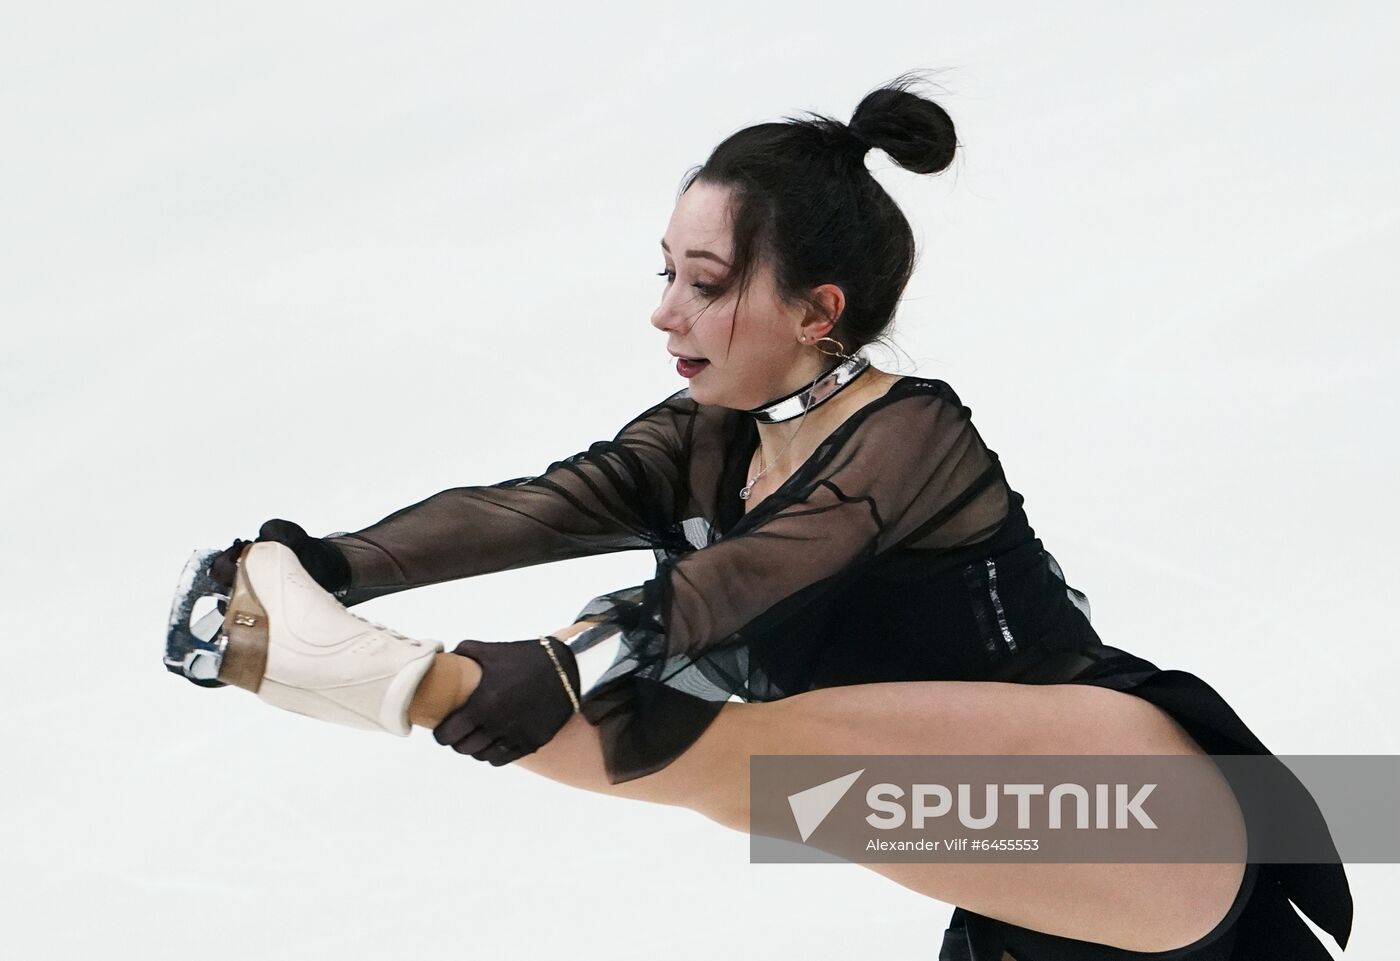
x=568, y=688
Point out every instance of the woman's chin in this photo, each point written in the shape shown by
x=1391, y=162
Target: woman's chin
x=699, y=390
x=716, y=396
x=703, y=390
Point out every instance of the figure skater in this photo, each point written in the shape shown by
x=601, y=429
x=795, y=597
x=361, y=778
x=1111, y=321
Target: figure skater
x=867, y=583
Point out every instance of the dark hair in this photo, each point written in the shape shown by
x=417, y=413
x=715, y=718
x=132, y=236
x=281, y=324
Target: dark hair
x=804, y=201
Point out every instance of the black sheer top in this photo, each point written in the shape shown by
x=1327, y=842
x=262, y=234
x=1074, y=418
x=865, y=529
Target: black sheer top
x=897, y=551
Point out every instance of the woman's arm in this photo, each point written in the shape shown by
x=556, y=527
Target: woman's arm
x=616, y=495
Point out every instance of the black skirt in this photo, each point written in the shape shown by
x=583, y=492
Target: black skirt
x=1261, y=924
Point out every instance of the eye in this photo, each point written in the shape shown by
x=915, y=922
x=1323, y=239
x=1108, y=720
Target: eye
x=707, y=289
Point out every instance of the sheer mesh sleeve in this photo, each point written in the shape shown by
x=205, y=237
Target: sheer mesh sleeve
x=616, y=495
x=743, y=615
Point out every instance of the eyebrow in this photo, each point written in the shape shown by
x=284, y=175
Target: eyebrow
x=696, y=253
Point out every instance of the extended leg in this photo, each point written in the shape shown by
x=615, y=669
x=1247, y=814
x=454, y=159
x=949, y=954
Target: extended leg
x=314, y=657
x=1140, y=907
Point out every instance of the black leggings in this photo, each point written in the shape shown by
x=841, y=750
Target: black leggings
x=975, y=937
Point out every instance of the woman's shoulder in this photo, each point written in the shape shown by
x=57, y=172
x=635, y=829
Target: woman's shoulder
x=910, y=396
x=926, y=386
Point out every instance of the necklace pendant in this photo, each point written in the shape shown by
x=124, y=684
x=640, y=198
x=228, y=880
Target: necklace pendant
x=744, y=493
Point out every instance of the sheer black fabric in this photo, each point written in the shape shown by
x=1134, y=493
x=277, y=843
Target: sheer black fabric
x=742, y=603
x=897, y=551
x=616, y=495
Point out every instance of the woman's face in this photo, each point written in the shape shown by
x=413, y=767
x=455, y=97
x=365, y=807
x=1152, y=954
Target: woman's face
x=753, y=354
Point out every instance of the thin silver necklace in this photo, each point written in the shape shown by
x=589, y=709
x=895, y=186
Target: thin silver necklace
x=762, y=467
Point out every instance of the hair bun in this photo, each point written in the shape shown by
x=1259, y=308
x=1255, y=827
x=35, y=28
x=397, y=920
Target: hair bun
x=857, y=139
x=916, y=132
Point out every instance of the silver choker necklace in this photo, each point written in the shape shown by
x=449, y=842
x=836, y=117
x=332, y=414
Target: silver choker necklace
x=819, y=392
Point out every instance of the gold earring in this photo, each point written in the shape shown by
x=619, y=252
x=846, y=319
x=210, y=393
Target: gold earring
x=840, y=348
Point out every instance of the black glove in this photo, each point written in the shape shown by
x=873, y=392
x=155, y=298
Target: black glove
x=322, y=559
x=519, y=705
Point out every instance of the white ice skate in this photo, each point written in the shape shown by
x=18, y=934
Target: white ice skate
x=293, y=644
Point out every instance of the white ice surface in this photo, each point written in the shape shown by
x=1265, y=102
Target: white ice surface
x=242, y=243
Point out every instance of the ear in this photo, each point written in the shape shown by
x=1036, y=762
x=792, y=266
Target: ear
x=831, y=303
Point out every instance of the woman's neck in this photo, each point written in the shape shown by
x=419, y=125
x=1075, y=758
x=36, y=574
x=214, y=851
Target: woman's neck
x=797, y=438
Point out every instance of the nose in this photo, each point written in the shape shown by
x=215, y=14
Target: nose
x=665, y=318
x=670, y=315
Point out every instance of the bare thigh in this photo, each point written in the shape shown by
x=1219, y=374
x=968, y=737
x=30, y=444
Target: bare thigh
x=1140, y=907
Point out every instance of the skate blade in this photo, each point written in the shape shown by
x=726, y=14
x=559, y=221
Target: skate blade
x=216, y=648
x=194, y=648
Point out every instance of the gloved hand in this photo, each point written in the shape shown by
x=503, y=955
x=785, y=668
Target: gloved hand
x=519, y=704
x=322, y=559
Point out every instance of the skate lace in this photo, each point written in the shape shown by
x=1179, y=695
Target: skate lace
x=379, y=626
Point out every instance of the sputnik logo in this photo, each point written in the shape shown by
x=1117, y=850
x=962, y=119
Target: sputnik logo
x=810, y=807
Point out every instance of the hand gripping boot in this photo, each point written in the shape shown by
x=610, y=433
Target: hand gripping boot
x=298, y=648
